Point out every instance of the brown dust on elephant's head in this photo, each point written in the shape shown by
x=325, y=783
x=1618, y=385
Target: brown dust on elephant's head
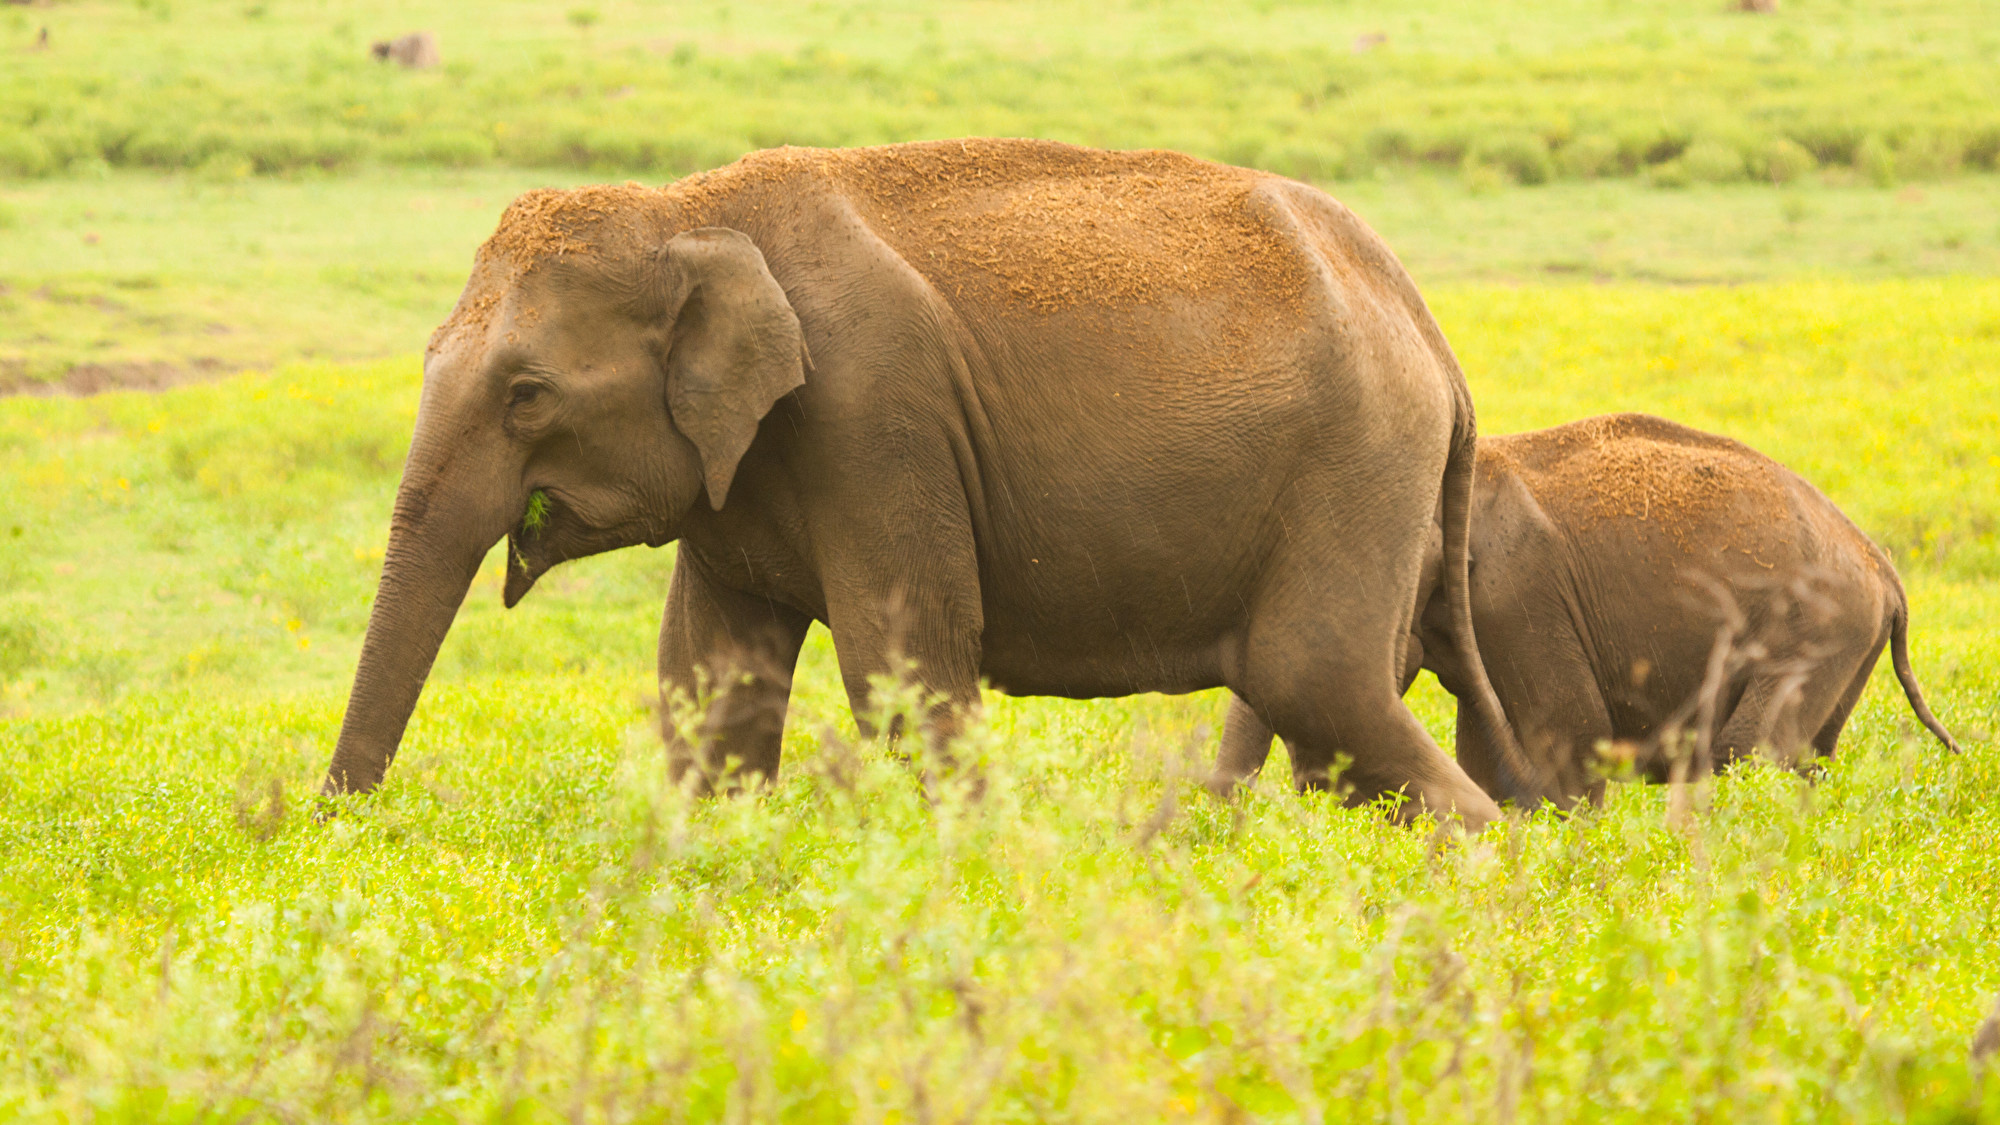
x=617, y=223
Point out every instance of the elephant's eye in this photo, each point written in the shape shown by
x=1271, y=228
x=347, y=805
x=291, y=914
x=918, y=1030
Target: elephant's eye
x=523, y=394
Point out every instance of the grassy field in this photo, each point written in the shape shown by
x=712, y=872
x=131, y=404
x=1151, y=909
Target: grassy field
x=527, y=925
x=142, y=278
x=1782, y=227
x=1674, y=92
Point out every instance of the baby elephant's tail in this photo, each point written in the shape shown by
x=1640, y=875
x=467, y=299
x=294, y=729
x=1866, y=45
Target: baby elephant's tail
x=1899, y=654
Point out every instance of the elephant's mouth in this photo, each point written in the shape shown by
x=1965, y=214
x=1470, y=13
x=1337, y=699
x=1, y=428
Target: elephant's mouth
x=531, y=545
x=556, y=529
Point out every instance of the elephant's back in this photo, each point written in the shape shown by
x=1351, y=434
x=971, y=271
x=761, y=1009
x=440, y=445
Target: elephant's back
x=1042, y=227
x=1202, y=280
x=1708, y=502
x=1135, y=298
x=1643, y=473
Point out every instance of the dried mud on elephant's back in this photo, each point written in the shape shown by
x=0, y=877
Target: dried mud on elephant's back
x=1045, y=225
x=1054, y=227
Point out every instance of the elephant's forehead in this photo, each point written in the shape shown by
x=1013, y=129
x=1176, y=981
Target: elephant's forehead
x=492, y=311
x=549, y=223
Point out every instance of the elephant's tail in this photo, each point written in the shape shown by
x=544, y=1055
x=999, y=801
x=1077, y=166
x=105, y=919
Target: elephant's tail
x=1523, y=781
x=1899, y=655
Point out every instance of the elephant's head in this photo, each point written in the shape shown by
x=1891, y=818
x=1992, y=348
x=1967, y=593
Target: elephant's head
x=601, y=376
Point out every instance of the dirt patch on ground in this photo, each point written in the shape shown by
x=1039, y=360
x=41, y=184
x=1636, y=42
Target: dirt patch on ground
x=96, y=378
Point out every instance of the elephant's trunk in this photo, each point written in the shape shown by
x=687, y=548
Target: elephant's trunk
x=440, y=533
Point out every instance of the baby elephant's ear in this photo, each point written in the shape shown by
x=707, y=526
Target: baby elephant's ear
x=734, y=348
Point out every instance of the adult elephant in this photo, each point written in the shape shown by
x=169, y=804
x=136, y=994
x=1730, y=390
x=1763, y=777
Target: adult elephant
x=1084, y=423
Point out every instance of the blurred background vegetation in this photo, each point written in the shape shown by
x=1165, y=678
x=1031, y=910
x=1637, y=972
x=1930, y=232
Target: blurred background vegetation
x=191, y=187
x=1675, y=92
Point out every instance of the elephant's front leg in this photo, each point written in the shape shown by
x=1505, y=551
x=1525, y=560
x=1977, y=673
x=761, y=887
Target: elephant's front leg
x=1246, y=742
x=736, y=652
x=926, y=631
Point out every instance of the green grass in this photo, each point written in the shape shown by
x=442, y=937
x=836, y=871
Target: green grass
x=537, y=513
x=527, y=925
x=1666, y=90
x=137, y=270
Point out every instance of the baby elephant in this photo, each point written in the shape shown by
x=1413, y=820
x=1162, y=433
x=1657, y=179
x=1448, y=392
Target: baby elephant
x=1652, y=586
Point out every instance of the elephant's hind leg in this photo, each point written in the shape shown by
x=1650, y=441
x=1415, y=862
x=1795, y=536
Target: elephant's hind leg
x=1790, y=704
x=1327, y=684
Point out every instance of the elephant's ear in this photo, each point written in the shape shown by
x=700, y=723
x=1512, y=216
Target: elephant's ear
x=734, y=348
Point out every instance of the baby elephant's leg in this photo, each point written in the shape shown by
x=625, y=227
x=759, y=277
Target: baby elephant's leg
x=1788, y=704
x=1544, y=679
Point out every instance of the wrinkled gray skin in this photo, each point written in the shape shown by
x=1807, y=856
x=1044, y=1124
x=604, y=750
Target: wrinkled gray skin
x=1097, y=498
x=1599, y=609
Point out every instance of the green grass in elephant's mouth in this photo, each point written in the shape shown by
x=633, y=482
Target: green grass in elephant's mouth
x=537, y=515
